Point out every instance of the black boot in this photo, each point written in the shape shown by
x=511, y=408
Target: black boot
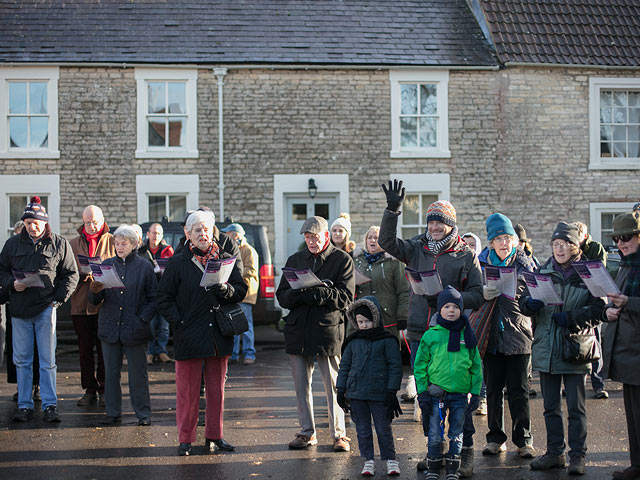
x=452, y=467
x=433, y=468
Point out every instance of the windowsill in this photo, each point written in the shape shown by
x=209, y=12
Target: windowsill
x=167, y=153
x=420, y=154
x=31, y=154
x=629, y=164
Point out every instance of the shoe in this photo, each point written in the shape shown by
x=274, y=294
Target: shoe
x=629, y=473
x=393, y=468
x=23, y=415
x=532, y=392
x=434, y=465
x=111, y=421
x=466, y=462
x=211, y=446
x=51, y=414
x=547, y=461
x=302, y=441
x=144, y=422
x=149, y=359
x=87, y=399
x=369, y=469
x=164, y=358
x=341, y=444
x=527, y=451
x=600, y=393
x=452, y=465
x=493, y=448
x=577, y=465
x=184, y=450
x=482, y=407
x=248, y=361
x=36, y=393
x=423, y=464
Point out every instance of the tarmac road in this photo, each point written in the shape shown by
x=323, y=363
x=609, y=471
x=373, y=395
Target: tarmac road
x=260, y=419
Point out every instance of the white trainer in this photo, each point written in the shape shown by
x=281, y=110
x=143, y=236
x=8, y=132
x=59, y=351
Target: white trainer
x=393, y=468
x=369, y=469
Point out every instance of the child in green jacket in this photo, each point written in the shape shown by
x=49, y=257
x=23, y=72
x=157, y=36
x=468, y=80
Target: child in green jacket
x=447, y=368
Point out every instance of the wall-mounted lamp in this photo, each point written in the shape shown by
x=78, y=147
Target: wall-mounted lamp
x=312, y=188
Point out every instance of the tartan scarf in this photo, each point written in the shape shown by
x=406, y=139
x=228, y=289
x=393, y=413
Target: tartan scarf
x=373, y=257
x=203, y=257
x=633, y=280
x=436, y=246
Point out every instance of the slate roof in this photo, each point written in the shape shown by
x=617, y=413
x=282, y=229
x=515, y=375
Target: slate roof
x=365, y=32
x=574, y=32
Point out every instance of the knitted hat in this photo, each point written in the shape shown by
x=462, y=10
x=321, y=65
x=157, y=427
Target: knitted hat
x=442, y=211
x=450, y=295
x=521, y=233
x=342, y=222
x=364, y=311
x=35, y=210
x=626, y=224
x=567, y=232
x=314, y=225
x=498, y=224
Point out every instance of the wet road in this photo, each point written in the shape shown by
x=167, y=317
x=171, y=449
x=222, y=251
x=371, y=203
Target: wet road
x=260, y=419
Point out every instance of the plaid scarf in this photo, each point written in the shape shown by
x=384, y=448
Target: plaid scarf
x=632, y=262
x=202, y=257
x=436, y=246
x=372, y=257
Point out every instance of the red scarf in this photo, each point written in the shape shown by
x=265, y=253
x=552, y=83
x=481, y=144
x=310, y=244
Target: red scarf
x=92, y=240
x=211, y=254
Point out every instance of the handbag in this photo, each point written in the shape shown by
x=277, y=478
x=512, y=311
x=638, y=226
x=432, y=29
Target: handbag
x=480, y=321
x=580, y=347
x=231, y=319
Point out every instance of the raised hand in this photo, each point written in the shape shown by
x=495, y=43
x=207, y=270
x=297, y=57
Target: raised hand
x=395, y=194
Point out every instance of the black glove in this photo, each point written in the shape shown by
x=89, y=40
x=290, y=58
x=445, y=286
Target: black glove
x=219, y=289
x=342, y=401
x=535, y=305
x=395, y=195
x=402, y=324
x=392, y=404
x=432, y=301
x=474, y=402
x=308, y=296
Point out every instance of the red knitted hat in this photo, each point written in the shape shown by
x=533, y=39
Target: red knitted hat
x=442, y=211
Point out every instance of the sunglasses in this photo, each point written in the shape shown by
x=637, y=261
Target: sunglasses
x=621, y=238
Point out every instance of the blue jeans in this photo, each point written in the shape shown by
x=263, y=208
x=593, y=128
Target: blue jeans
x=456, y=404
x=248, y=349
x=43, y=327
x=361, y=413
x=160, y=330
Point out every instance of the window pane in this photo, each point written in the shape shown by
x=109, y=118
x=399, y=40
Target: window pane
x=426, y=201
x=408, y=134
x=18, y=132
x=177, y=130
x=634, y=115
x=156, y=97
x=606, y=221
x=177, y=97
x=619, y=149
x=177, y=207
x=409, y=99
x=299, y=211
x=38, y=97
x=17, y=97
x=156, y=132
x=410, y=232
x=634, y=99
x=606, y=115
x=633, y=133
x=619, y=115
x=411, y=210
x=428, y=129
x=322, y=210
x=157, y=207
x=16, y=208
x=634, y=149
x=606, y=149
x=605, y=98
x=606, y=132
x=620, y=99
x=39, y=132
x=428, y=100
x=620, y=133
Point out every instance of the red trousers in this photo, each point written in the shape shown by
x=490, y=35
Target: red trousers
x=188, y=377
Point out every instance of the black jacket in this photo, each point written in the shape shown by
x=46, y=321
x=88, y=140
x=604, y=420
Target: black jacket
x=51, y=256
x=125, y=313
x=188, y=307
x=314, y=323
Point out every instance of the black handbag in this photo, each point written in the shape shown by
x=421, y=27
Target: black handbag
x=580, y=347
x=231, y=319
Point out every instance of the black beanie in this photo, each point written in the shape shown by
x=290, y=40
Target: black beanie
x=364, y=311
x=450, y=295
x=567, y=232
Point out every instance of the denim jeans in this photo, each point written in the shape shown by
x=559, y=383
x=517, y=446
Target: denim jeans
x=160, y=330
x=248, y=349
x=456, y=405
x=361, y=413
x=43, y=327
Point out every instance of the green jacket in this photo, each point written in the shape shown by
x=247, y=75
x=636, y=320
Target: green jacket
x=454, y=372
x=583, y=309
x=593, y=250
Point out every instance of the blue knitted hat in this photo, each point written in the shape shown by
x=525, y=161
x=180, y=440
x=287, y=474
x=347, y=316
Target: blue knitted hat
x=450, y=295
x=498, y=224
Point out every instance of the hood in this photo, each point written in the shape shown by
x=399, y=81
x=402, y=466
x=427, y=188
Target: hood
x=372, y=304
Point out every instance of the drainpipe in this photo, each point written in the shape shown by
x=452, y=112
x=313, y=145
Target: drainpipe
x=220, y=73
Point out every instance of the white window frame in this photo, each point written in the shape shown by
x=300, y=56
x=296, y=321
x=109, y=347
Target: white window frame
x=190, y=76
x=596, y=209
x=146, y=185
x=51, y=75
x=29, y=185
x=441, y=79
x=596, y=162
x=424, y=183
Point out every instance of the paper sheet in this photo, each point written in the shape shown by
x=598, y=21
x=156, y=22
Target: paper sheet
x=107, y=275
x=29, y=279
x=541, y=288
x=84, y=261
x=217, y=271
x=424, y=283
x=301, y=278
x=596, y=277
x=504, y=279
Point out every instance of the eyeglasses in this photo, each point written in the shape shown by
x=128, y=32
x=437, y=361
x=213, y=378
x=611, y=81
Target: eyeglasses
x=621, y=238
x=559, y=245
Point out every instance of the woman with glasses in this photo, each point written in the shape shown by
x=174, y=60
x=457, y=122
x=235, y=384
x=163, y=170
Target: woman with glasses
x=579, y=310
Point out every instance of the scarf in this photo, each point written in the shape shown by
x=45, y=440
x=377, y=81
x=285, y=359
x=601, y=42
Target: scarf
x=495, y=259
x=566, y=269
x=373, y=257
x=370, y=334
x=203, y=257
x=632, y=289
x=92, y=240
x=436, y=246
x=455, y=328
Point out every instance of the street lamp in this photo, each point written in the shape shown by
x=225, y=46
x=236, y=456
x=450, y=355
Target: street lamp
x=312, y=188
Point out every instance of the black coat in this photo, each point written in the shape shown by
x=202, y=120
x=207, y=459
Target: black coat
x=314, y=323
x=188, y=307
x=51, y=256
x=125, y=313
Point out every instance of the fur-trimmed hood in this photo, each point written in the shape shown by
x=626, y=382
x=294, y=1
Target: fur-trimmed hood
x=372, y=304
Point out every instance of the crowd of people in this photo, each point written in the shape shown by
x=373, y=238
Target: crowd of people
x=469, y=342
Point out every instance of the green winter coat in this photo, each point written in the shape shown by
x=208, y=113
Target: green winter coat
x=454, y=372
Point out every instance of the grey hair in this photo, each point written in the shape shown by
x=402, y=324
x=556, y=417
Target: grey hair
x=199, y=216
x=128, y=233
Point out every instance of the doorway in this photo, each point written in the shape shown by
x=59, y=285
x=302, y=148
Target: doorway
x=298, y=209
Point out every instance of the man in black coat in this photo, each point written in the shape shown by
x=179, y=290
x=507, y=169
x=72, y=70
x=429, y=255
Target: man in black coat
x=314, y=327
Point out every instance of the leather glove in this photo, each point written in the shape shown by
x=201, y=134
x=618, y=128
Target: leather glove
x=561, y=318
x=307, y=296
x=535, y=305
x=96, y=287
x=474, y=402
x=342, y=401
x=395, y=194
x=219, y=289
x=435, y=391
x=392, y=404
x=402, y=324
x=489, y=293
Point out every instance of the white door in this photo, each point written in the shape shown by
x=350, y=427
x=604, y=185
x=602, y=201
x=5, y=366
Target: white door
x=299, y=208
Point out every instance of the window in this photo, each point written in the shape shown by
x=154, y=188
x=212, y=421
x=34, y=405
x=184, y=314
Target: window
x=601, y=218
x=419, y=114
x=614, y=114
x=421, y=191
x=166, y=196
x=173, y=207
x=167, y=113
x=16, y=207
x=29, y=112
